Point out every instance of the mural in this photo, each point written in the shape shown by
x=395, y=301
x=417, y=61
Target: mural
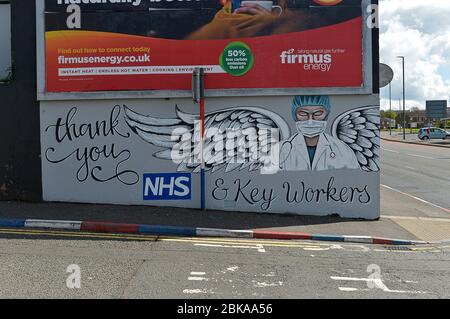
x=354, y=141
x=353, y=144
x=312, y=155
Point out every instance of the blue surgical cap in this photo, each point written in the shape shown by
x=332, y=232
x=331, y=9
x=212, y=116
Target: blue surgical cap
x=310, y=100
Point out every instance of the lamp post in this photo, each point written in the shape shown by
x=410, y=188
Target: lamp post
x=390, y=108
x=404, y=97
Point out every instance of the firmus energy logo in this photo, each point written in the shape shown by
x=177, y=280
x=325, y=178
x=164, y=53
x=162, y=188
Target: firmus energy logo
x=310, y=61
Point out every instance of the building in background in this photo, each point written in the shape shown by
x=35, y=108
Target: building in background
x=435, y=114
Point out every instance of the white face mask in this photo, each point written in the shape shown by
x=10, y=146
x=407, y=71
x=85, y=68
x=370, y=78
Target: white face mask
x=311, y=128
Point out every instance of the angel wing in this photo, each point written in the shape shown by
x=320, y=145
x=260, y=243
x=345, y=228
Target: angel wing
x=235, y=138
x=360, y=129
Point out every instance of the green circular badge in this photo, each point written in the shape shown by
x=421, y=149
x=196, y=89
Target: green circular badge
x=236, y=59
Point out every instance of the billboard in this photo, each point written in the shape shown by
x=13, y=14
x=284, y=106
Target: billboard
x=155, y=44
x=436, y=110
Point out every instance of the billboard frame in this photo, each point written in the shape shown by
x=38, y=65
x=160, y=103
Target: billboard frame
x=368, y=86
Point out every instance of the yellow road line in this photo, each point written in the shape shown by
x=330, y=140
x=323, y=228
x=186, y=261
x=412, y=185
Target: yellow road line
x=151, y=238
x=244, y=242
x=45, y=231
x=218, y=241
x=422, y=248
x=75, y=234
x=161, y=238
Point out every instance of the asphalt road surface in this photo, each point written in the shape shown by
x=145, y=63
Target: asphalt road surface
x=421, y=171
x=201, y=268
x=42, y=264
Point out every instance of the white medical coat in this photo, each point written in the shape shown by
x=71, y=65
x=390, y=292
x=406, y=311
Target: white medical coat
x=331, y=153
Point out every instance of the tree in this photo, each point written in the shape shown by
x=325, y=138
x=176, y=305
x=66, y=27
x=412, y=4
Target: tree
x=390, y=115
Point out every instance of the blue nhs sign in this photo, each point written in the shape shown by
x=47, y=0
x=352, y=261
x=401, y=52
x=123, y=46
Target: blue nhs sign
x=170, y=186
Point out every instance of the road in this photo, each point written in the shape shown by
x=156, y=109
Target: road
x=201, y=268
x=34, y=263
x=421, y=171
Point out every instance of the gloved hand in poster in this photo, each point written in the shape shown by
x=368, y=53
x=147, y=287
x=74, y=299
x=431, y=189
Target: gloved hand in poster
x=250, y=19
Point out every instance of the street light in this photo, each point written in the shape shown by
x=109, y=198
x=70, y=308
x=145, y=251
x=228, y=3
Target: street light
x=390, y=108
x=404, y=98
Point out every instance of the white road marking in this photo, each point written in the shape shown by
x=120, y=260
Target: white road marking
x=348, y=289
x=416, y=198
x=414, y=155
x=195, y=291
x=260, y=248
x=421, y=156
x=270, y=274
x=385, y=149
x=395, y=251
x=410, y=168
x=230, y=269
x=352, y=279
x=266, y=284
x=339, y=247
x=377, y=283
x=432, y=219
x=197, y=273
x=198, y=278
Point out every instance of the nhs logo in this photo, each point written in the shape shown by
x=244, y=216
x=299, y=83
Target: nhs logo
x=171, y=186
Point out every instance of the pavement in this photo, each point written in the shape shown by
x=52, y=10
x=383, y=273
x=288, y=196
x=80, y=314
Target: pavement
x=412, y=139
x=385, y=227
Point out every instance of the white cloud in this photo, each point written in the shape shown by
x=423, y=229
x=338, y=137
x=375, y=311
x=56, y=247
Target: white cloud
x=420, y=31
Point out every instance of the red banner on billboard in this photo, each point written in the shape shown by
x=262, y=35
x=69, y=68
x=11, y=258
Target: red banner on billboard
x=237, y=50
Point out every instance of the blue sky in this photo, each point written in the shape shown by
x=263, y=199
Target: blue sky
x=419, y=30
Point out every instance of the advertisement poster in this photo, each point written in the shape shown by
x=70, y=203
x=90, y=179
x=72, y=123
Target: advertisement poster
x=118, y=45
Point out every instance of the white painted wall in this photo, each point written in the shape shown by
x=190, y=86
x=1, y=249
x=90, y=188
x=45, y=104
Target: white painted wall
x=5, y=39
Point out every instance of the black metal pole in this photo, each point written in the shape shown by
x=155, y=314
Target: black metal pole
x=404, y=100
x=404, y=97
x=390, y=108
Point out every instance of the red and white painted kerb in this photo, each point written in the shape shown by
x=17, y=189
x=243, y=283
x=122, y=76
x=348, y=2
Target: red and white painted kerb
x=107, y=227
